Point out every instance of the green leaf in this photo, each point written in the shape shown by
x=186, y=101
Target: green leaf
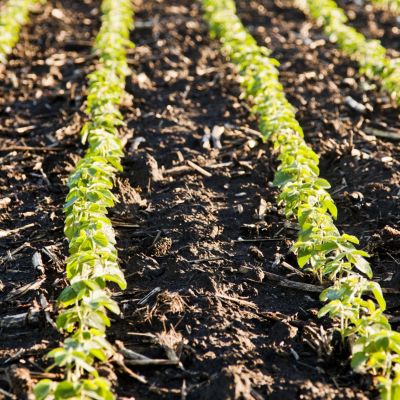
x=327, y=246
x=282, y=178
x=72, y=293
x=363, y=266
x=322, y=183
x=358, y=360
x=377, y=292
x=331, y=207
x=350, y=238
x=66, y=390
x=43, y=389
x=68, y=296
x=101, y=239
x=67, y=319
x=331, y=308
x=303, y=257
x=99, y=354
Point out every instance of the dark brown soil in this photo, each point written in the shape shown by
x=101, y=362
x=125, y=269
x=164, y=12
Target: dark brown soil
x=196, y=289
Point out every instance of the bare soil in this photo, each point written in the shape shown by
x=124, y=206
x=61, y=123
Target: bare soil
x=206, y=253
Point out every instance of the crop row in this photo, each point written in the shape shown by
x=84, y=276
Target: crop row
x=391, y=5
x=92, y=262
x=14, y=14
x=353, y=298
x=370, y=54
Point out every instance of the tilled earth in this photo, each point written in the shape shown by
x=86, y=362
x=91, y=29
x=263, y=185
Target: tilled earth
x=203, y=244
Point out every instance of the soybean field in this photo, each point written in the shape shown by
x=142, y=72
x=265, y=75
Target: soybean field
x=199, y=199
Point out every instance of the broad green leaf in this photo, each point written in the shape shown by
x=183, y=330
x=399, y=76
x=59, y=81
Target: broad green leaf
x=363, y=266
x=43, y=389
x=65, y=390
x=358, y=360
x=350, y=238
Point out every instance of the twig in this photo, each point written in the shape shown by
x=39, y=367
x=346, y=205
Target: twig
x=202, y=260
x=46, y=375
x=390, y=291
x=199, y=169
x=220, y=165
x=130, y=354
x=177, y=170
x=128, y=371
x=155, y=240
x=13, y=252
x=164, y=391
x=31, y=148
x=148, y=337
x=337, y=190
x=293, y=284
x=245, y=129
x=11, y=231
x=238, y=301
x=16, y=355
x=7, y=394
x=383, y=134
x=240, y=240
x=146, y=298
x=151, y=361
x=122, y=224
x=23, y=289
x=290, y=268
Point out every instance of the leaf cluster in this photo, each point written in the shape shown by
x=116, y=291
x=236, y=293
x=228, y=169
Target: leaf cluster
x=354, y=300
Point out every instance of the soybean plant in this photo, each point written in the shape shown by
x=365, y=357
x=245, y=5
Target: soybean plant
x=93, y=260
x=353, y=300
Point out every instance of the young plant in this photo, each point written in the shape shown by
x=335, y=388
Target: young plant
x=354, y=300
x=370, y=54
x=13, y=15
x=93, y=260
